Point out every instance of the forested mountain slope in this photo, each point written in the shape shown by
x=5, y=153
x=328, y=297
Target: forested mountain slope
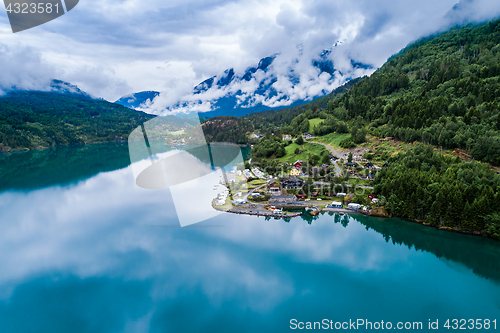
x=32, y=119
x=443, y=90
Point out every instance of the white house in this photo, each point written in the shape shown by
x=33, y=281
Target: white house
x=275, y=190
x=353, y=206
x=239, y=202
x=341, y=194
x=336, y=204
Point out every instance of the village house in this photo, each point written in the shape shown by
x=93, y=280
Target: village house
x=274, y=189
x=295, y=172
x=370, y=165
x=292, y=182
x=308, y=136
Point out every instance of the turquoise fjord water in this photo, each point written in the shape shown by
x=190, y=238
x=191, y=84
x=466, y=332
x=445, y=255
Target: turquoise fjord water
x=82, y=249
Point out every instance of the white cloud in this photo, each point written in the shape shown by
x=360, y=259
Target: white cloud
x=113, y=48
x=23, y=67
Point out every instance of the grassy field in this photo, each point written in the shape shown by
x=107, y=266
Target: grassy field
x=333, y=139
x=359, y=181
x=255, y=183
x=308, y=149
x=180, y=132
x=314, y=122
x=290, y=152
x=384, y=149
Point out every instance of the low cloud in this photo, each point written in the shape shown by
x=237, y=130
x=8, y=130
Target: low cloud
x=24, y=69
x=112, y=48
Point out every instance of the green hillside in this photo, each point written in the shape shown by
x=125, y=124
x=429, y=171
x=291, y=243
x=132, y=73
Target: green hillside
x=227, y=129
x=31, y=120
x=442, y=91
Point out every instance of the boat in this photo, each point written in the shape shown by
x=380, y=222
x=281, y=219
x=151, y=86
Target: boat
x=313, y=210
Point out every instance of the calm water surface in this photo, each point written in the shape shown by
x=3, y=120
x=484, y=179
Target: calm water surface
x=82, y=249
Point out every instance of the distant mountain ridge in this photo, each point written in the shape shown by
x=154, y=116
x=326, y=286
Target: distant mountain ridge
x=61, y=87
x=275, y=83
x=63, y=115
x=134, y=101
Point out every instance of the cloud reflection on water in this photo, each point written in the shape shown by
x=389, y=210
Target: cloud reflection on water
x=89, y=228
x=107, y=230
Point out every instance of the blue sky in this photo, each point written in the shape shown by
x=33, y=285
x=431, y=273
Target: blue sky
x=111, y=48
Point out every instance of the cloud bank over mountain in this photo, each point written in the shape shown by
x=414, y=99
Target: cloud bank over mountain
x=112, y=48
x=277, y=81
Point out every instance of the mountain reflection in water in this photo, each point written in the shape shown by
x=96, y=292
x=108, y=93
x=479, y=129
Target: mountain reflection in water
x=95, y=253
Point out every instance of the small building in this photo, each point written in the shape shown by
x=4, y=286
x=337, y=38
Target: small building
x=287, y=137
x=337, y=204
x=341, y=194
x=350, y=164
x=370, y=165
x=274, y=189
x=292, y=182
x=386, y=165
x=301, y=196
x=354, y=206
x=325, y=166
x=295, y=172
x=298, y=164
x=239, y=202
x=255, y=195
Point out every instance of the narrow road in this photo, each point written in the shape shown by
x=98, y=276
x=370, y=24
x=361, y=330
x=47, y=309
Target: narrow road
x=250, y=192
x=338, y=171
x=348, y=185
